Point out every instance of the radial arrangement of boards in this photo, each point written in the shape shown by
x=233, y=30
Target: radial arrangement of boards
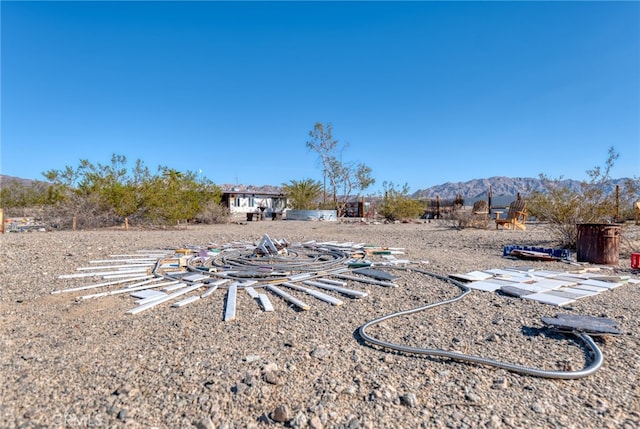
x=318, y=270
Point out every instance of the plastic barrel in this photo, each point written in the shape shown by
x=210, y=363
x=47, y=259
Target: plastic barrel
x=598, y=243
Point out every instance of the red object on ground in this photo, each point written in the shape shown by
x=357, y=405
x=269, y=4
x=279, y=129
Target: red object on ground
x=635, y=260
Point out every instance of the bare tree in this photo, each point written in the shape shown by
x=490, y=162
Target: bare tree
x=344, y=177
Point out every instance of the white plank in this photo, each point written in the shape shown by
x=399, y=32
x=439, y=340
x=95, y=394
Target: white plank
x=473, y=276
x=97, y=285
x=125, y=261
x=545, y=298
x=165, y=299
x=264, y=301
x=314, y=293
x=590, y=288
x=599, y=283
x=548, y=273
x=364, y=280
x=195, y=277
x=186, y=301
x=488, y=286
x=230, y=309
x=535, y=286
x=332, y=282
x=101, y=273
x=511, y=275
x=209, y=291
x=123, y=275
x=288, y=297
x=147, y=284
x=252, y=292
x=113, y=267
x=213, y=286
x=297, y=277
x=177, y=285
x=147, y=293
x=575, y=291
x=563, y=294
x=350, y=292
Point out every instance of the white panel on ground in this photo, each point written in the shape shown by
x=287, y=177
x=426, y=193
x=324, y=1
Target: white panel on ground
x=364, y=280
x=186, y=301
x=264, y=301
x=144, y=307
x=195, y=277
x=314, y=293
x=107, y=267
x=350, y=292
x=175, y=286
x=147, y=293
x=252, y=292
x=230, y=309
x=488, y=286
x=209, y=291
x=549, y=299
x=97, y=285
x=288, y=297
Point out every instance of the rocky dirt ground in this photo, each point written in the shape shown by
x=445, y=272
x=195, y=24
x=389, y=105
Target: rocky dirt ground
x=70, y=363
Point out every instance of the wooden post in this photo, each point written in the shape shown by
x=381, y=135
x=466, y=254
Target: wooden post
x=1, y=221
x=617, y=203
x=74, y=223
x=489, y=196
x=126, y=223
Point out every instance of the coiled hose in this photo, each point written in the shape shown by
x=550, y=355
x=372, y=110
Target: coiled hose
x=568, y=375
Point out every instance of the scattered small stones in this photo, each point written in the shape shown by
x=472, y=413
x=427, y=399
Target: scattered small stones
x=122, y=414
x=252, y=358
x=85, y=365
x=409, y=399
x=320, y=352
x=315, y=423
x=205, y=423
x=273, y=377
x=281, y=413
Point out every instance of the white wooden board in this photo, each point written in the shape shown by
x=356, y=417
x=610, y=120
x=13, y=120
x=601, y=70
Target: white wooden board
x=549, y=299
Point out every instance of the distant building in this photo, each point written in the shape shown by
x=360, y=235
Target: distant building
x=266, y=201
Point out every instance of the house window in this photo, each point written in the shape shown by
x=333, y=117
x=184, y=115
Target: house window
x=252, y=202
x=236, y=202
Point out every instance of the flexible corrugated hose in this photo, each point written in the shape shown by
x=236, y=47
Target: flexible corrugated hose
x=595, y=364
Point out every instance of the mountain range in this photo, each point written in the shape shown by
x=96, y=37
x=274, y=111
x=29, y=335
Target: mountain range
x=500, y=186
x=471, y=190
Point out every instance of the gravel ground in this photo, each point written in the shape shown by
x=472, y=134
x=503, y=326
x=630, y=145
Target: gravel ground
x=69, y=363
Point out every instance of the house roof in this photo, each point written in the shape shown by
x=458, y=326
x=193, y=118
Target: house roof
x=251, y=189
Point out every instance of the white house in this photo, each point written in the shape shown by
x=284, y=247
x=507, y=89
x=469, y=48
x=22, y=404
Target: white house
x=266, y=201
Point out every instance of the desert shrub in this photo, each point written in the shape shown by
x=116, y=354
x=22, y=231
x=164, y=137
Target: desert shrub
x=213, y=213
x=461, y=219
x=564, y=208
x=397, y=205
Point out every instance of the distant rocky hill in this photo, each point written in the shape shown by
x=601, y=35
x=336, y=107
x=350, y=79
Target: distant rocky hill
x=500, y=186
x=471, y=190
x=6, y=180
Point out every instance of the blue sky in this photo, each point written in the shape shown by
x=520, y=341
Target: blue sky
x=423, y=92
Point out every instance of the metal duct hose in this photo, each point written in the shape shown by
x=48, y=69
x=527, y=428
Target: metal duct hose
x=569, y=375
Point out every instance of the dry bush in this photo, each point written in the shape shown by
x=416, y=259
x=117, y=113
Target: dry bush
x=213, y=214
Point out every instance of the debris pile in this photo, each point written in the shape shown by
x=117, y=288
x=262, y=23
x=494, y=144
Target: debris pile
x=546, y=286
x=289, y=271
